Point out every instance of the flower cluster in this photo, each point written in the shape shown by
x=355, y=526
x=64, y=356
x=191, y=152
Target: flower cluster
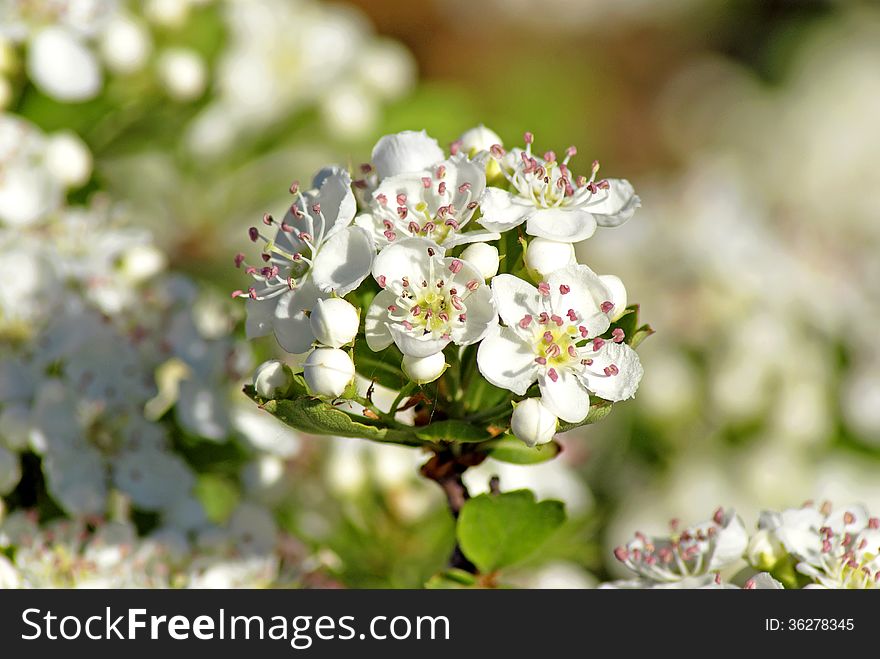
x=807, y=547
x=451, y=269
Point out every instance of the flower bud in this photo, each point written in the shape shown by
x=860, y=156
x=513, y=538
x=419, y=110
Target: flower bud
x=328, y=371
x=543, y=256
x=423, y=370
x=68, y=158
x=478, y=139
x=618, y=295
x=183, y=73
x=532, y=422
x=483, y=257
x=273, y=379
x=334, y=322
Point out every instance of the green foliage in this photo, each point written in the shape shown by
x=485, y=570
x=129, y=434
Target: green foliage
x=381, y=367
x=452, y=430
x=599, y=409
x=498, y=530
x=509, y=449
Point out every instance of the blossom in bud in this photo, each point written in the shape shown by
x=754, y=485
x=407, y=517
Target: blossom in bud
x=543, y=256
x=273, y=379
x=478, y=139
x=334, y=322
x=483, y=257
x=328, y=371
x=68, y=158
x=423, y=370
x=618, y=295
x=183, y=73
x=532, y=422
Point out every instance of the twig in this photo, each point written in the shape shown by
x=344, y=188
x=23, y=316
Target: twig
x=446, y=469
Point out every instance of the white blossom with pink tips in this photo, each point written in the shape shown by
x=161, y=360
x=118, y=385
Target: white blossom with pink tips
x=551, y=200
x=552, y=334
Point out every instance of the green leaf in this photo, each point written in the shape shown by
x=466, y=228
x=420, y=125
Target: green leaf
x=452, y=430
x=639, y=335
x=383, y=366
x=218, y=495
x=452, y=578
x=598, y=411
x=495, y=531
x=316, y=417
x=510, y=449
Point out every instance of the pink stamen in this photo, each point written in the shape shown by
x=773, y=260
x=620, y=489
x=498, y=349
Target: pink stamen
x=455, y=266
x=563, y=289
x=553, y=375
x=607, y=306
x=544, y=288
x=525, y=321
x=618, y=335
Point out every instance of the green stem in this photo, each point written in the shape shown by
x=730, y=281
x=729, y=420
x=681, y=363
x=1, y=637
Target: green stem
x=405, y=391
x=490, y=414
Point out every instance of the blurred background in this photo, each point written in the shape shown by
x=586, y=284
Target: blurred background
x=138, y=141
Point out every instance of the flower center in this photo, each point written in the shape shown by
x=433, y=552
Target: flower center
x=548, y=183
x=435, y=305
x=434, y=213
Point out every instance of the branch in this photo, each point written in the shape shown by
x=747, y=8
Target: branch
x=446, y=469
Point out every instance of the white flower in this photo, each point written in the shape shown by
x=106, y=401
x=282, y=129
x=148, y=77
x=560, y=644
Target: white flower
x=428, y=301
x=435, y=203
x=687, y=558
x=483, y=257
x=532, y=422
x=478, y=139
x=315, y=252
x=543, y=256
x=553, y=335
x=68, y=158
x=125, y=44
x=552, y=202
x=405, y=152
x=328, y=371
x=423, y=370
x=334, y=322
x=836, y=548
x=183, y=73
x=272, y=379
x=62, y=66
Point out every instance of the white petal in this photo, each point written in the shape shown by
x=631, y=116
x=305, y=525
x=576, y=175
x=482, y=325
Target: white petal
x=507, y=361
x=502, y=210
x=338, y=204
x=404, y=258
x=344, y=261
x=616, y=205
x=585, y=296
x=376, y=323
x=414, y=345
x=259, y=317
x=408, y=151
x=62, y=66
x=763, y=581
x=478, y=236
x=614, y=387
x=291, y=325
x=566, y=397
x=730, y=543
x=515, y=298
x=481, y=316
x=566, y=225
